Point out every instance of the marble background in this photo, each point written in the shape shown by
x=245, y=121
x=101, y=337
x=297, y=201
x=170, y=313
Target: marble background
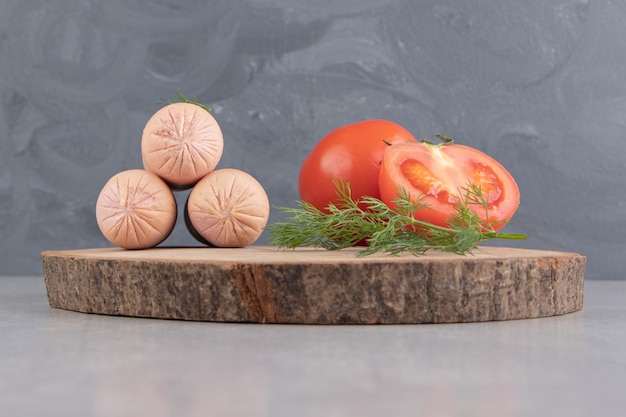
x=539, y=85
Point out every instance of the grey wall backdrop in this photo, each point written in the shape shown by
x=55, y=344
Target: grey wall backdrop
x=539, y=85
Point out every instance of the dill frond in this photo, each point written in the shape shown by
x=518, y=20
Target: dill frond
x=392, y=231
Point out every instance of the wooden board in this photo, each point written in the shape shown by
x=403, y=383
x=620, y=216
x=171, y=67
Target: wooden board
x=263, y=284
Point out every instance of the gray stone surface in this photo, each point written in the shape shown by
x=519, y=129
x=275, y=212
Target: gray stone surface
x=66, y=364
x=540, y=86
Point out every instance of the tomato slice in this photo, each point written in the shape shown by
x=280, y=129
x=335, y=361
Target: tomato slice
x=441, y=174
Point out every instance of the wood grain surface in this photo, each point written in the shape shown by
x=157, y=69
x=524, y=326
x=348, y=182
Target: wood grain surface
x=263, y=284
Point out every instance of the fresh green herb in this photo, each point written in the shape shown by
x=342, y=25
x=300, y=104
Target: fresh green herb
x=350, y=222
x=180, y=98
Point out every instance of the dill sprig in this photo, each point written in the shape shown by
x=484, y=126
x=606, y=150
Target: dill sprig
x=180, y=98
x=351, y=222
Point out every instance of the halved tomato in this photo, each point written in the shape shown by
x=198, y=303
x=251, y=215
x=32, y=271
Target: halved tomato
x=441, y=175
x=352, y=154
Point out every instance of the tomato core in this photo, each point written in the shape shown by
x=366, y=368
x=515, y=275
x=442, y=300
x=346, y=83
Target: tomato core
x=487, y=180
x=426, y=181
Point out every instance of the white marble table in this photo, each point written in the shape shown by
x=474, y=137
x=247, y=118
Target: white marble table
x=61, y=363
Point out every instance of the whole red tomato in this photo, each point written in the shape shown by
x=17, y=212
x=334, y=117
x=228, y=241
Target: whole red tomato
x=352, y=153
x=440, y=174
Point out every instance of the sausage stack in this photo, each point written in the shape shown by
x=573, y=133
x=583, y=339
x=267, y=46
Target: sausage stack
x=181, y=146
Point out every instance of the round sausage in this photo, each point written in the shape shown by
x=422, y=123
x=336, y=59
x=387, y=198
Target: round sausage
x=136, y=209
x=227, y=208
x=181, y=143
